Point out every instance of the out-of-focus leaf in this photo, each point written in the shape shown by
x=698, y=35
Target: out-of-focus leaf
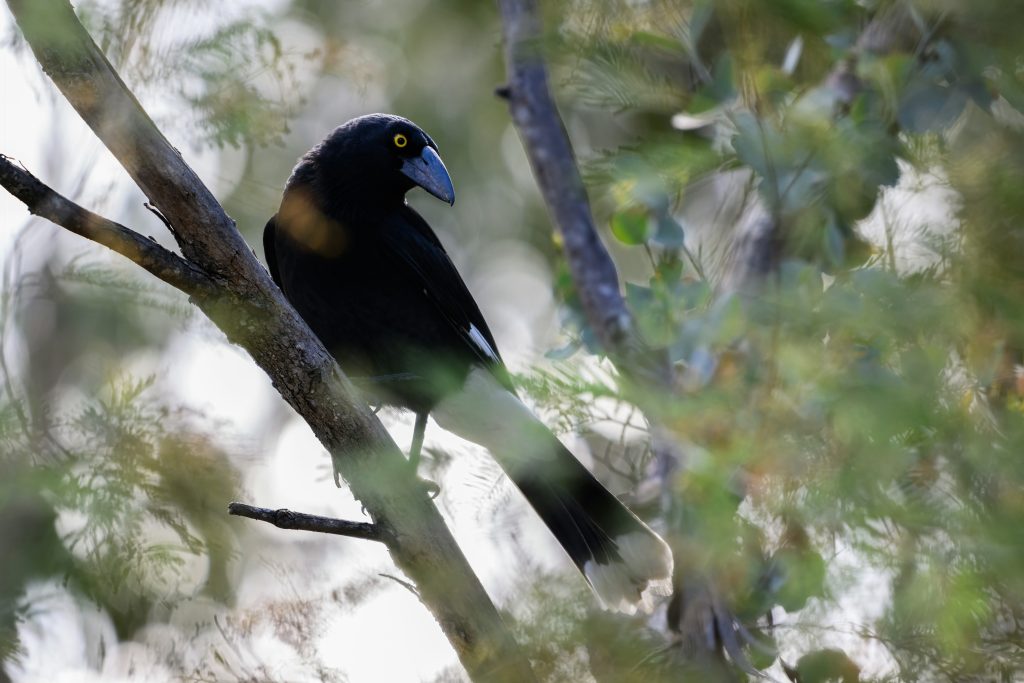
x=563, y=352
x=638, y=296
x=803, y=577
x=824, y=666
x=761, y=648
x=754, y=143
x=631, y=225
x=701, y=15
x=928, y=107
x=669, y=270
x=723, y=87
x=835, y=244
x=669, y=233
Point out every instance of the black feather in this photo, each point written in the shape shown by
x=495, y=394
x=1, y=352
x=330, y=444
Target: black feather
x=375, y=284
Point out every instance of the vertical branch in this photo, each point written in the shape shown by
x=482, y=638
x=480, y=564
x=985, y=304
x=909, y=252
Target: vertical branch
x=554, y=164
x=550, y=152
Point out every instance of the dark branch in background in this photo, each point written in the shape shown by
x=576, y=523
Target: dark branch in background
x=45, y=203
x=286, y=519
x=554, y=164
x=551, y=156
x=246, y=305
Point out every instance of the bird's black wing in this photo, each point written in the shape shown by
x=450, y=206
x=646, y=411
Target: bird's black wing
x=269, y=252
x=411, y=240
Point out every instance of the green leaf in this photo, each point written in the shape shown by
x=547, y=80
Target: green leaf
x=826, y=665
x=631, y=226
x=758, y=144
x=638, y=296
x=835, y=244
x=721, y=88
x=669, y=269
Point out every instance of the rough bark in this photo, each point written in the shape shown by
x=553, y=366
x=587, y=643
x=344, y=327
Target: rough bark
x=243, y=301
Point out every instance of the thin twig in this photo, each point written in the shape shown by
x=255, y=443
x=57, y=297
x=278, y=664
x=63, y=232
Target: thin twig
x=43, y=201
x=287, y=519
x=160, y=215
x=404, y=584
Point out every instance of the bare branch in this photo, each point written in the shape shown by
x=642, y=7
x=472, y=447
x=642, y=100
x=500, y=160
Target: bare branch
x=86, y=78
x=404, y=584
x=286, y=519
x=43, y=201
x=550, y=152
x=551, y=157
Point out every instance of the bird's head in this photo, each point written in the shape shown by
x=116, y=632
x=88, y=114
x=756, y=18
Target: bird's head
x=385, y=156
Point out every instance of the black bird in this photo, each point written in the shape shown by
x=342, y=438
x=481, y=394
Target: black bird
x=375, y=284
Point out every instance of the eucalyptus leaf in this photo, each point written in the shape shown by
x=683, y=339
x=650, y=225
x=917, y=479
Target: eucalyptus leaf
x=631, y=225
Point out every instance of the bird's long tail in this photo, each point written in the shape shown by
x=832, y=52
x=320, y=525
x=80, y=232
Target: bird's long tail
x=622, y=559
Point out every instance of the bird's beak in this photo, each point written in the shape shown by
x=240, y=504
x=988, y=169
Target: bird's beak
x=428, y=171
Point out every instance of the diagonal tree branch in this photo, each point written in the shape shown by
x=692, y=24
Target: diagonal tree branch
x=43, y=201
x=254, y=314
x=87, y=80
x=287, y=519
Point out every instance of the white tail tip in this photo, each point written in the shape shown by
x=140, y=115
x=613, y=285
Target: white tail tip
x=644, y=571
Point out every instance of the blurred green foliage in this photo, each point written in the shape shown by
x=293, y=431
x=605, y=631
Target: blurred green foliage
x=111, y=493
x=857, y=400
x=852, y=421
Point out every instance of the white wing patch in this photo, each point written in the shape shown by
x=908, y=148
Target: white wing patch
x=481, y=343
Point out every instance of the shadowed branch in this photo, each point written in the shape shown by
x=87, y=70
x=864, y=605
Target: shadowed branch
x=44, y=202
x=287, y=519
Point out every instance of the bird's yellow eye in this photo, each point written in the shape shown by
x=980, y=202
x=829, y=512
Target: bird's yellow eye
x=400, y=141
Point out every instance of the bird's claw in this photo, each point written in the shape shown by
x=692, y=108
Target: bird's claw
x=337, y=471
